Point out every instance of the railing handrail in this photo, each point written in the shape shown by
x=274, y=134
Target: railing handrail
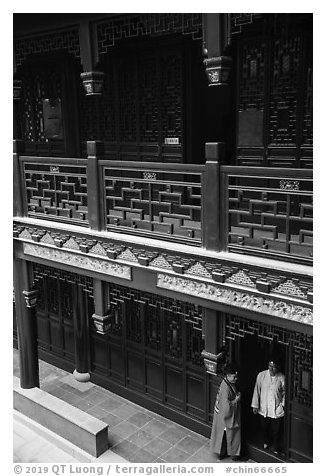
x=271, y=171
x=51, y=160
x=165, y=167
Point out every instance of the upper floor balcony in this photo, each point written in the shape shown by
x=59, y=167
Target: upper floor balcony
x=256, y=211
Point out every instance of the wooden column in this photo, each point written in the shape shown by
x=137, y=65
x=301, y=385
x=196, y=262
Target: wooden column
x=100, y=316
x=92, y=79
x=18, y=206
x=217, y=65
x=95, y=151
x=26, y=300
x=81, y=335
x=213, y=353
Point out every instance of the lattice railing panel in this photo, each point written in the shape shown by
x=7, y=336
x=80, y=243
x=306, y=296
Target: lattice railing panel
x=160, y=203
x=56, y=192
x=270, y=214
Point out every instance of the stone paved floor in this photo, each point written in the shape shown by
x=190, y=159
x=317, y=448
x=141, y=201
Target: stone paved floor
x=136, y=434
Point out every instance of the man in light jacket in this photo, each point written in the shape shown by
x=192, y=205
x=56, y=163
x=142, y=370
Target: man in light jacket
x=269, y=402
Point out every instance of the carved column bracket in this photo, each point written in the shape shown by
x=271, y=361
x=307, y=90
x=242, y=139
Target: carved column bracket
x=218, y=70
x=17, y=89
x=93, y=82
x=31, y=298
x=213, y=361
x=101, y=323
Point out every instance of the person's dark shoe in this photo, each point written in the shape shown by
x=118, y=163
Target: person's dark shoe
x=222, y=456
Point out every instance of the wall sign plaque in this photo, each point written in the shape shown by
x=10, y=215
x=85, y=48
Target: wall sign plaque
x=52, y=117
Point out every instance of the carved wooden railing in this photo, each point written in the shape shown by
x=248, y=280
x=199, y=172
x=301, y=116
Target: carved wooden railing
x=267, y=212
x=250, y=210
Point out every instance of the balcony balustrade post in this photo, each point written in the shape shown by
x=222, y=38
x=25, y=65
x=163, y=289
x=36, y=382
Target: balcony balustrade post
x=18, y=206
x=214, y=153
x=95, y=151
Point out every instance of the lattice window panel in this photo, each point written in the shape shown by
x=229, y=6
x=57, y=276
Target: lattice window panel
x=68, y=40
x=284, y=91
x=252, y=76
x=153, y=329
x=302, y=345
x=307, y=129
x=37, y=86
x=154, y=24
x=303, y=364
x=171, y=96
x=59, y=191
x=159, y=313
x=167, y=204
x=266, y=213
x=108, y=105
x=149, y=96
x=41, y=271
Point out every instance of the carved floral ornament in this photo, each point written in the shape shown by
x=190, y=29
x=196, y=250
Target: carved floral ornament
x=236, y=298
x=79, y=261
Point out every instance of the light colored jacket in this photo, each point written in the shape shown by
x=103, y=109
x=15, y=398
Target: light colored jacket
x=260, y=395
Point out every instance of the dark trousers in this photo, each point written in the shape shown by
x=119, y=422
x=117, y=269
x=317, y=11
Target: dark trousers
x=273, y=432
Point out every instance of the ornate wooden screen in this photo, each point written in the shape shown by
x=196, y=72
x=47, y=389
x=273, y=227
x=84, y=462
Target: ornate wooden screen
x=154, y=347
x=274, y=89
x=55, y=309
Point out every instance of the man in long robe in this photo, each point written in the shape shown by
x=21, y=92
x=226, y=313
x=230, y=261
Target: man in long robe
x=227, y=417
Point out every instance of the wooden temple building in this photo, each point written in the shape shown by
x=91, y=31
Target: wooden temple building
x=163, y=207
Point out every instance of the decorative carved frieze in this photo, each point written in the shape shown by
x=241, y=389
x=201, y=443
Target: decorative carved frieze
x=235, y=298
x=229, y=274
x=79, y=261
